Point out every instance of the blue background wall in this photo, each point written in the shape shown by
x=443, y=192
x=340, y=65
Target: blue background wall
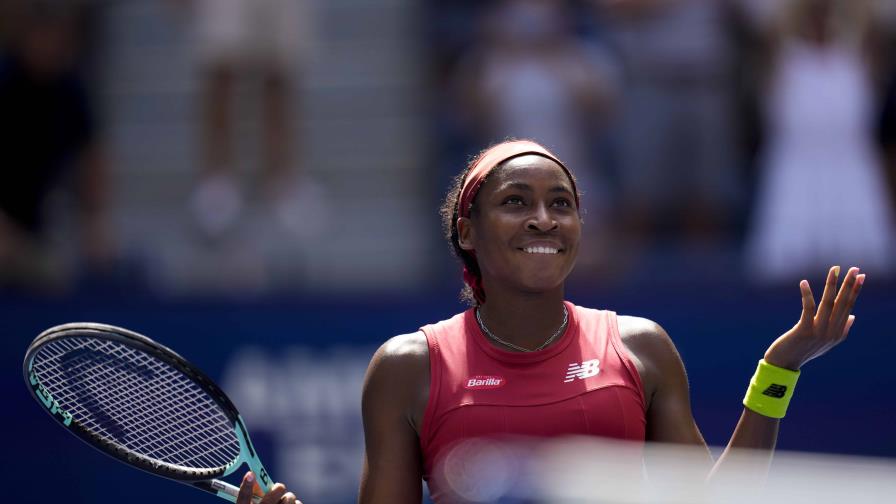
x=843, y=403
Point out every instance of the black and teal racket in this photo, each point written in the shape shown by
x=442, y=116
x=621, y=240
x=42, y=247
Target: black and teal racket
x=139, y=402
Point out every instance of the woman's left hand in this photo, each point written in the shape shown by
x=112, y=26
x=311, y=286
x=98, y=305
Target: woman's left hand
x=818, y=331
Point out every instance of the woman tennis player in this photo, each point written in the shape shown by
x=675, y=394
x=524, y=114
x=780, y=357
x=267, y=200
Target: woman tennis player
x=523, y=361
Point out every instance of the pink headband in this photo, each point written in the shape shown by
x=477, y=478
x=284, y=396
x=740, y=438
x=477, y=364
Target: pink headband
x=482, y=166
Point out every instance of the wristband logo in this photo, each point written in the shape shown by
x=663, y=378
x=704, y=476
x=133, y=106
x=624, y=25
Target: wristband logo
x=775, y=390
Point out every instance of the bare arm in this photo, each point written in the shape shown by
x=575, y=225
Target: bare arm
x=818, y=330
x=669, y=417
x=392, y=404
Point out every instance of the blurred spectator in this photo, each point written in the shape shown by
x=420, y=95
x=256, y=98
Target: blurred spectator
x=822, y=197
x=530, y=77
x=47, y=136
x=678, y=149
x=239, y=39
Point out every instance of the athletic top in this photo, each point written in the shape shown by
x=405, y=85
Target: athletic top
x=583, y=384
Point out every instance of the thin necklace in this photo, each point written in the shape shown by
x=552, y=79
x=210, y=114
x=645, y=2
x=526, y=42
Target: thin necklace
x=517, y=347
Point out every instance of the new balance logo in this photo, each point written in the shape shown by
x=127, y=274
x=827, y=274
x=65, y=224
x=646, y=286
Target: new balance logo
x=581, y=371
x=775, y=390
x=484, y=382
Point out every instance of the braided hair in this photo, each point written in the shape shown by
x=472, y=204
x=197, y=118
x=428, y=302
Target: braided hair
x=449, y=212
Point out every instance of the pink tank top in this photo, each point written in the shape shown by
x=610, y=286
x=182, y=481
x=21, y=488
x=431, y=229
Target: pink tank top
x=584, y=384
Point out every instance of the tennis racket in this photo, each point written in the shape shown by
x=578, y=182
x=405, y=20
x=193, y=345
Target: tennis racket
x=139, y=402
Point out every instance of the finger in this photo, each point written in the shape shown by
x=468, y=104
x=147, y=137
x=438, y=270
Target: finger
x=844, y=302
x=854, y=295
x=275, y=494
x=289, y=498
x=246, y=486
x=849, y=322
x=808, y=302
x=839, y=313
x=860, y=281
x=827, y=298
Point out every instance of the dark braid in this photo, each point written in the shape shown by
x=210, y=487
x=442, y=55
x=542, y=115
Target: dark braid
x=449, y=213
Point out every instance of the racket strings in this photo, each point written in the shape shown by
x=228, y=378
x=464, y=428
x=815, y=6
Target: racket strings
x=153, y=438
x=160, y=439
x=129, y=397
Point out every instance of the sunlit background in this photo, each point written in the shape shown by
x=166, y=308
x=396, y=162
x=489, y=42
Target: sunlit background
x=256, y=183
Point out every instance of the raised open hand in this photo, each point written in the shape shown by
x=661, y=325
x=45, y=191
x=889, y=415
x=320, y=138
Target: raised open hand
x=818, y=331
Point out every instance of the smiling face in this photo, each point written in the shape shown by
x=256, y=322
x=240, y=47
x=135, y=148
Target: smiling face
x=525, y=226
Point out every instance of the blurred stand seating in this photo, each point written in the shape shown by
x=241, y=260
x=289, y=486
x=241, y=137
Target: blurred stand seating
x=645, y=99
x=357, y=114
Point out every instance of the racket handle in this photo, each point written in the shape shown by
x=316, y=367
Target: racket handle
x=229, y=492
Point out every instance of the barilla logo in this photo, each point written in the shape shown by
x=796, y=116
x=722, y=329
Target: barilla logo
x=484, y=382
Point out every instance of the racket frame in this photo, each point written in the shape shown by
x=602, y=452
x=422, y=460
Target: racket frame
x=202, y=479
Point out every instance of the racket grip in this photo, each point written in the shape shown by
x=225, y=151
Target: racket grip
x=229, y=492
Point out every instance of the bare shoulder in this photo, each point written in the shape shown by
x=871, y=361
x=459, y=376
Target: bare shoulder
x=640, y=328
x=398, y=375
x=401, y=360
x=643, y=335
x=402, y=352
x=651, y=349
x=392, y=405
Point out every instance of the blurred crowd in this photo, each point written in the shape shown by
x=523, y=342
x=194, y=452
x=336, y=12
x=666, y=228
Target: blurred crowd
x=56, y=180
x=762, y=129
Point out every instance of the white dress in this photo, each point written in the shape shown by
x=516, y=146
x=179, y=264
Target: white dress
x=274, y=33
x=822, y=197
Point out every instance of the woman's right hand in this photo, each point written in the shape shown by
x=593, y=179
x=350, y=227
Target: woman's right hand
x=277, y=495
